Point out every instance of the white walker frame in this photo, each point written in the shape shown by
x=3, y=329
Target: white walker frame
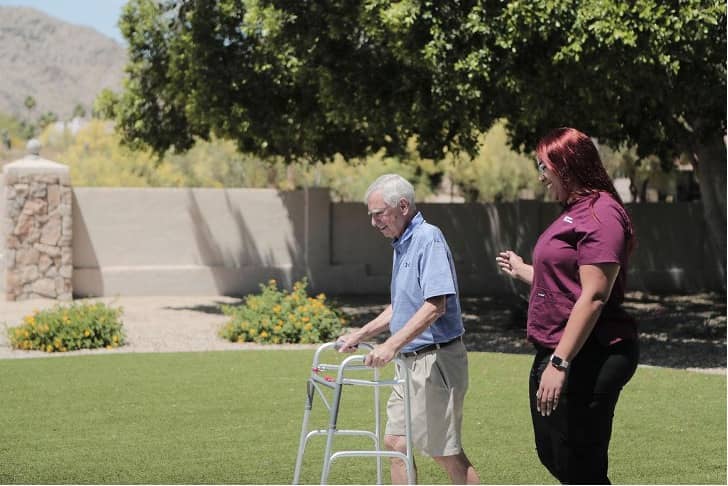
x=316, y=383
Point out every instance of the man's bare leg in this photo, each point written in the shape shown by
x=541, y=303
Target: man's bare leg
x=398, y=467
x=459, y=468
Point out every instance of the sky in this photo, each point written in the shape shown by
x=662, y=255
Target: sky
x=101, y=15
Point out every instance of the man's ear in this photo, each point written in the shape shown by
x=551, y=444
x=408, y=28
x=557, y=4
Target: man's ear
x=403, y=205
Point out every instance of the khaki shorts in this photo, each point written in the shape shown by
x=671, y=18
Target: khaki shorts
x=438, y=383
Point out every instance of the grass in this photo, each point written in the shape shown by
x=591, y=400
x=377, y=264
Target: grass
x=235, y=417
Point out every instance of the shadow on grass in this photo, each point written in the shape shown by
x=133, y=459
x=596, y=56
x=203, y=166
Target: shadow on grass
x=676, y=331
x=215, y=309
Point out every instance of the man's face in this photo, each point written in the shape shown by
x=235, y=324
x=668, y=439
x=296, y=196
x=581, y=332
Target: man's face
x=390, y=221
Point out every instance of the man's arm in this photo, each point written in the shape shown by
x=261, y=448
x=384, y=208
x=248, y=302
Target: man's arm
x=372, y=328
x=430, y=311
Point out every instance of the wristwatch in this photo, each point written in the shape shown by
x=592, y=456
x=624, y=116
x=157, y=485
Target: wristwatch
x=559, y=363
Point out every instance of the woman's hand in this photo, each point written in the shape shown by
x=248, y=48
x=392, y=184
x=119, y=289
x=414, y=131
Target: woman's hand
x=549, y=390
x=513, y=265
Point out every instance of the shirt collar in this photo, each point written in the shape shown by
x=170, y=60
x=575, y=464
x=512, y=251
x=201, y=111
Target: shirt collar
x=417, y=220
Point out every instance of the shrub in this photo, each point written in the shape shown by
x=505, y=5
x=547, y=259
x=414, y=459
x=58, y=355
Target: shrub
x=67, y=328
x=277, y=317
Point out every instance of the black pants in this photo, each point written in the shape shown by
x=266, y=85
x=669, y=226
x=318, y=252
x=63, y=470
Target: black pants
x=573, y=442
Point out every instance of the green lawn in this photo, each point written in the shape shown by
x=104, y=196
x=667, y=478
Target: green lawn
x=235, y=417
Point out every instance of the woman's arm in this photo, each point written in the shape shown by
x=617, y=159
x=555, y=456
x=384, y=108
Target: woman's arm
x=513, y=265
x=596, y=286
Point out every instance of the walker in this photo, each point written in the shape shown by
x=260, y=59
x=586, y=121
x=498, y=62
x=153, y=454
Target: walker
x=317, y=383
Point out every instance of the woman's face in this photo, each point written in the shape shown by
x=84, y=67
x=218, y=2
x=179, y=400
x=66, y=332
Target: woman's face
x=551, y=180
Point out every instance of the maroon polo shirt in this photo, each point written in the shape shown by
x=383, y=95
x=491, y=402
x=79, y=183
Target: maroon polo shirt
x=593, y=229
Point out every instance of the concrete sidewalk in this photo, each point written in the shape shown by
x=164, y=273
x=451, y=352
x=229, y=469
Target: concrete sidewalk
x=152, y=325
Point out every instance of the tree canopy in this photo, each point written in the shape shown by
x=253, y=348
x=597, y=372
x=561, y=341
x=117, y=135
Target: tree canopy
x=315, y=78
x=306, y=79
x=312, y=79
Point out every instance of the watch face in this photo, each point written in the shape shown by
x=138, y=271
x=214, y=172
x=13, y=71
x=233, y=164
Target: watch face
x=558, y=362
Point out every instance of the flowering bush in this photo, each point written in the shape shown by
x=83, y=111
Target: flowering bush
x=277, y=317
x=67, y=328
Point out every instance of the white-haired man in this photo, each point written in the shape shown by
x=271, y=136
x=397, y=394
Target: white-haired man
x=426, y=329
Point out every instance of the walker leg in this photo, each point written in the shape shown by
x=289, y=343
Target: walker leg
x=333, y=418
x=408, y=426
x=304, y=431
x=377, y=427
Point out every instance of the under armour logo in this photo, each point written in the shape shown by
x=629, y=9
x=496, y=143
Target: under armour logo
x=568, y=219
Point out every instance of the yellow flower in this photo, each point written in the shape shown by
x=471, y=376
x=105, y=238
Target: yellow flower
x=57, y=343
x=115, y=338
x=49, y=348
x=321, y=296
x=276, y=309
x=305, y=319
x=263, y=335
x=86, y=332
x=307, y=327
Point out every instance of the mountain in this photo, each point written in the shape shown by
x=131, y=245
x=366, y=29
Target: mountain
x=57, y=63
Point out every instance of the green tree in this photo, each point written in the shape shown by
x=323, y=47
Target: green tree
x=78, y=111
x=312, y=79
x=301, y=79
x=647, y=73
x=29, y=104
x=46, y=119
x=105, y=105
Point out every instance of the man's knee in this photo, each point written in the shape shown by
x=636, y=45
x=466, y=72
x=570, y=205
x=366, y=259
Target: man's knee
x=395, y=443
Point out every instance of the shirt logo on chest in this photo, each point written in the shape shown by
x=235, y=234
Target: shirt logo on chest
x=568, y=219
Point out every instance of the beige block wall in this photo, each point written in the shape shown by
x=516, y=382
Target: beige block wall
x=227, y=241
x=182, y=241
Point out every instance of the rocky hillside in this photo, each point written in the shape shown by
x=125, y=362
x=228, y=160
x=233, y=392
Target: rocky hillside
x=57, y=63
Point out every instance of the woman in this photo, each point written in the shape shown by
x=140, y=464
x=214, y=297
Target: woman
x=586, y=345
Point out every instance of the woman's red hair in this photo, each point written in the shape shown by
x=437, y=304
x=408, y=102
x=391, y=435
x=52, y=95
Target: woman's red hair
x=574, y=158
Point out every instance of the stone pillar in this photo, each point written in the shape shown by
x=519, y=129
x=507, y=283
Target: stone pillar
x=37, y=228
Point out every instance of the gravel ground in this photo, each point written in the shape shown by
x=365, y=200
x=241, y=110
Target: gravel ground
x=687, y=331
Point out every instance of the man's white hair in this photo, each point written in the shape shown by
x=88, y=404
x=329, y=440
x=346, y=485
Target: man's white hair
x=393, y=188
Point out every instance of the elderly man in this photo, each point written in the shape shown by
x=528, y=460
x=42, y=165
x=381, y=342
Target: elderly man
x=426, y=329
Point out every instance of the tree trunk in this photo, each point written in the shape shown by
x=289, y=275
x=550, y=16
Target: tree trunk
x=711, y=169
